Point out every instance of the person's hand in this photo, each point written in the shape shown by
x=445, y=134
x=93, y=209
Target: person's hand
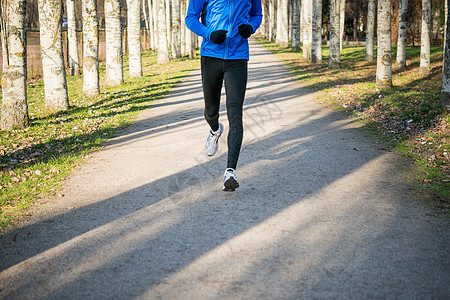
x=245, y=30
x=218, y=36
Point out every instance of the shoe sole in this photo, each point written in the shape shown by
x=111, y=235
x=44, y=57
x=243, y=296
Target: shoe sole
x=230, y=185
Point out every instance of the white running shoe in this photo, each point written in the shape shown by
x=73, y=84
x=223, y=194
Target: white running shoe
x=212, y=142
x=230, y=182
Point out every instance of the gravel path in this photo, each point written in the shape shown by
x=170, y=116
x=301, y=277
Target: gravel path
x=321, y=212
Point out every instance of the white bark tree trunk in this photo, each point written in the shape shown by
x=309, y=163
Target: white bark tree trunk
x=155, y=22
x=271, y=20
x=307, y=32
x=282, y=25
x=151, y=25
x=401, y=42
x=91, y=85
x=425, y=38
x=134, y=38
x=183, y=27
x=316, y=44
x=14, y=109
x=334, y=61
x=114, y=53
x=163, y=51
x=384, y=56
x=176, y=26
x=50, y=27
x=445, y=93
x=341, y=23
x=296, y=26
x=74, y=60
x=370, y=31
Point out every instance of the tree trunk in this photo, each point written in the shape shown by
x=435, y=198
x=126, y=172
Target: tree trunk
x=445, y=94
x=90, y=48
x=151, y=25
x=425, y=38
x=155, y=22
x=74, y=61
x=163, y=51
x=176, y=26
x=134, y=38
x=384, y=58
x=14, y=110
x=341, y=23
x=271, y=20
x=50, y=27
x=296, y=26
x=282, y=24
x=114, y=53
x=370, y=31
x=183, y=27
x=401, y=42
x=316, y=44
x=307, y=34
x=334, y=60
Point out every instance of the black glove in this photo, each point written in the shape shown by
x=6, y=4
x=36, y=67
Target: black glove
x=218, y=36
x=245, y=30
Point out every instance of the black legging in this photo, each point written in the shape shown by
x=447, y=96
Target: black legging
x=234, y=72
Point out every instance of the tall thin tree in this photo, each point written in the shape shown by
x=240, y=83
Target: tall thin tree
x=14, y=109
x=401, y=42
x=425, y=38
x=114, y=53
x=445, y=93
x=316, y=39
x=384, y=56
x=296, y=23
x=282, y=24
x=74, y=60
x=341, y=23
x=334, y=61
x=163, y=51
x=91, y=84
x=50, y=28
x=134, y=38
x=370, y=31
x=176, y=29
x=307, y=33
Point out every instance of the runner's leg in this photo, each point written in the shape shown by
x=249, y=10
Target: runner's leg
x=212, y=80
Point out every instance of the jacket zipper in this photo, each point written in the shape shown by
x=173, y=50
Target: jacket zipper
x=229, y=28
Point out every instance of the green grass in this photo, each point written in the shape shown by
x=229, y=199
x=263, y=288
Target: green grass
x=408, y=115
x=34, y=161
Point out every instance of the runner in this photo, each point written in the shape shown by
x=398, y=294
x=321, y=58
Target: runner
x=225, y=27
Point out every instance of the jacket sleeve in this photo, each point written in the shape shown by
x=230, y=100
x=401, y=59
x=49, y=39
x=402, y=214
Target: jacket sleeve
x=193, y=19
x=255, y=15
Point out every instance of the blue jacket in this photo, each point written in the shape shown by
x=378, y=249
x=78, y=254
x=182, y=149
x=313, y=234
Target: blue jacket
x=223, y=15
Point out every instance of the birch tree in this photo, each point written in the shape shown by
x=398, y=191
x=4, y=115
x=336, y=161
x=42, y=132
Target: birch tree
x=401, y=42
x=114, y=52
x=425, y=38
x=74, y=60
x=445, y=93
x=341, y=23
x=151, y=25
x=334, y=60
x=163, y=51
x=370, y=30
x=316, y=39
x=296, y=26
x=50, y=32
x=307, y=31
x=90, y=48
x=384, y=58
x=14, y=110
x=176, y=26
x=271, y=20
x=282, y=23
x=134, y=38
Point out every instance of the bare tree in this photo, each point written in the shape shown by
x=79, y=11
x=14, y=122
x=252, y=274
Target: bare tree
x=384, y=57
x=50, y=27
x=134, y=38
x=114, y=53
x=401, y=42
x=176, y=29
x=296, y=26
x=91, y=84
x=445, y=93
x=163, y=51
x=74, y=61
x=334, y=60
x=425, y=38
x=370, y=30
x=316, y=44
x=282, y=25
x=307, y=31
x=14, y=110
x=341, y=23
